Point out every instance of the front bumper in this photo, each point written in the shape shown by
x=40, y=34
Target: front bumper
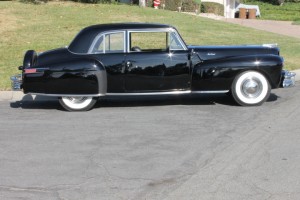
x=288, y=79
x=16, y=82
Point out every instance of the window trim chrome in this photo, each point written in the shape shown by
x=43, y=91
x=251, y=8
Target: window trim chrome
x=157, y=30
x=179, y=39
x=90, y=51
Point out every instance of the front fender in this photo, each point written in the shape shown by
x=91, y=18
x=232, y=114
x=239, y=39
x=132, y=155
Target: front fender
x=219, y=74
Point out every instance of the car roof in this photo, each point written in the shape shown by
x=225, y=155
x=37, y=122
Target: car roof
x=122, y=26
x=85, y=37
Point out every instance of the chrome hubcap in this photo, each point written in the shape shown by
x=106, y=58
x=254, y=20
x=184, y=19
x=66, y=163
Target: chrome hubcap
x=76, y=100
x=251, y=88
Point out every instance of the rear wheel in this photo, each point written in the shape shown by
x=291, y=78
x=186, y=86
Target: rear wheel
x=250, y=88
x=77, y=103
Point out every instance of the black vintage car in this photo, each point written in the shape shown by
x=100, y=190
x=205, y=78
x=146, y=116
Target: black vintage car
x=149, y=59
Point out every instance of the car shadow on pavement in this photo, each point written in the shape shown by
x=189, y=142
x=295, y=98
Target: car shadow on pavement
x=190, y=99
x=37, y=102
x=165, y=100
x=51, y=103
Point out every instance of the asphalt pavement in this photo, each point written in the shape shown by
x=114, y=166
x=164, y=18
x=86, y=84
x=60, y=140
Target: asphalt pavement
x=200, y=147
x=192, y=147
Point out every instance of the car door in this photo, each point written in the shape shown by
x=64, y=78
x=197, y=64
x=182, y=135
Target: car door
x=109, y=49
x=154, y=63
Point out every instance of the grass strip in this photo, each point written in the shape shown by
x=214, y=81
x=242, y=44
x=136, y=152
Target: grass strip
x=53, y=25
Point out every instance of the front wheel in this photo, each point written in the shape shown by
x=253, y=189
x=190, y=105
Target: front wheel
x=250, y=88
x=77, y=103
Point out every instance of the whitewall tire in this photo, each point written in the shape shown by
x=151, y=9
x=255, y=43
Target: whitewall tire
x=77, y=103
x=250, y=88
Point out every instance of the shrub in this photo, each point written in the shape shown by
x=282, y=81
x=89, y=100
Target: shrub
x=173, y=4
x=190, y=6
x=94, y=1
x=80, y=1
x=274, y=2
x=211, y=7
x=186, y=5
x=34, y=1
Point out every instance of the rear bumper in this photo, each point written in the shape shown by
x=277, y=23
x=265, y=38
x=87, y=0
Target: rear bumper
x=16, y=82
x=288, y=79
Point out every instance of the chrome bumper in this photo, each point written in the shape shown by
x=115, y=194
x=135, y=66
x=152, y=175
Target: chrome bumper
x=16, y=82
x=288, y=79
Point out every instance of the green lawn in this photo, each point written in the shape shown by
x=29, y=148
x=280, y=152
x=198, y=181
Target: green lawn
x=297, y=22
x=47, y=26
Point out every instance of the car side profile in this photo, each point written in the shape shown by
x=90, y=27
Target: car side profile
x=149, y=59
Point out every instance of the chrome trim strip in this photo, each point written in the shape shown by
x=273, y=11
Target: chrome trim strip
x=211, y=92
x=169, y=93
x=68, y=95
x=134, y=94
x=270, y=45
x=148, y=93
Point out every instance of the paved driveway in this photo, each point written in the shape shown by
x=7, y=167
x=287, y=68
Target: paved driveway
x=192, y=147
x=279, y=27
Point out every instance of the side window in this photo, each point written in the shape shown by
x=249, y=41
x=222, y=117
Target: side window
x=175, y=43
x=148, y=41
x=98, y=46
x=114, y=42
x=109, y=43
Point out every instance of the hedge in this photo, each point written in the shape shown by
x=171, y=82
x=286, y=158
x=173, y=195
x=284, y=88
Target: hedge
x=211, y=7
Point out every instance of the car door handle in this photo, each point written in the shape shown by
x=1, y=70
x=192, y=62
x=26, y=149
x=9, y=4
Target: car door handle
x=128, y=64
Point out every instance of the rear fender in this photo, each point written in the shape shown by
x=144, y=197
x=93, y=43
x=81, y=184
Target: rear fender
x=30, y=59
x=82, y=76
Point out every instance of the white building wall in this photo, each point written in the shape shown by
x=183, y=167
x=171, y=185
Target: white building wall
x=215, y=1
x=229, y=6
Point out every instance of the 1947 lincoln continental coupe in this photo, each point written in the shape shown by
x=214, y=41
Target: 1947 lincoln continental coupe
x=149, y=59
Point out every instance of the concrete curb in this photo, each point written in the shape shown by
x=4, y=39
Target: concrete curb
x=19, y=96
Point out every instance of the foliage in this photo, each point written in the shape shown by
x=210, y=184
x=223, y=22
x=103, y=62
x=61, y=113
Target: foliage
x=173, y=5
x=273, y=2
x=34, y=1
x=190, y=5
x=211, y=7
x=94, y=1
x=186, y=5
x=80, y=1
x=296, y=22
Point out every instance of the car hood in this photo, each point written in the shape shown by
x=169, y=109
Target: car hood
x=220, y=52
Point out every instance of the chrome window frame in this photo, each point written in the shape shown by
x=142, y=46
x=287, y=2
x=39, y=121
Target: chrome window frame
x=179, y=39
x=90, y=51
x=158, y=30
